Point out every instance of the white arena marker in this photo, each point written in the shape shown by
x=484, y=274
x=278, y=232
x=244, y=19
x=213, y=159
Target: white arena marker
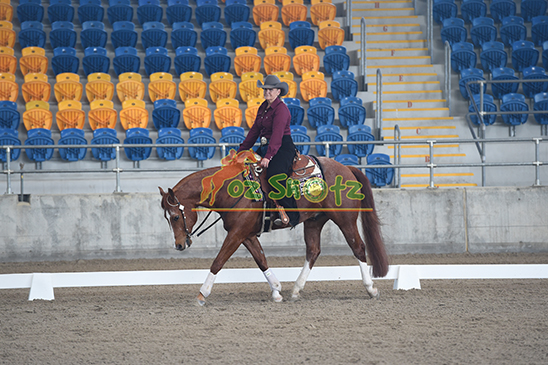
x=408, y=278
x=41, y=287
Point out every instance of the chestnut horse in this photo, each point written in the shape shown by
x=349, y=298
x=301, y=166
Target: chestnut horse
x=349, y=194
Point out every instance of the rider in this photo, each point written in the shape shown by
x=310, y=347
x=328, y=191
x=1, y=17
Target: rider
x=277, y=149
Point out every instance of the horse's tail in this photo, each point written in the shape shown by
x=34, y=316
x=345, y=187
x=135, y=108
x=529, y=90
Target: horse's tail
x=371, y=228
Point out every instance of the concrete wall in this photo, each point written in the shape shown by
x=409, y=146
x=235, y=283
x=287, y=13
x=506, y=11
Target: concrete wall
x=65, y=227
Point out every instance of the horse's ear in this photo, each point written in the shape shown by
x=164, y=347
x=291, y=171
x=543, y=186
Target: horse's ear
x=170, y=192
x=162, y=192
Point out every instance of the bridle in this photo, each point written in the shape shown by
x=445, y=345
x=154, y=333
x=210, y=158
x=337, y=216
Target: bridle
x=181, y=207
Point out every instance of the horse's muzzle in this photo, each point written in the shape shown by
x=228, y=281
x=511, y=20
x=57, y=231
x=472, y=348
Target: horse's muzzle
x=182, y=247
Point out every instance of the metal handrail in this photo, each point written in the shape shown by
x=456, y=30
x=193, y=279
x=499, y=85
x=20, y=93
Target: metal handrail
x=362, y=69
x=397, y=156
x=349, y=20
x=447, y=76
x=378, y=114
x=430, y=28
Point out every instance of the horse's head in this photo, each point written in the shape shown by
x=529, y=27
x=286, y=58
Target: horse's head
x=180, y=217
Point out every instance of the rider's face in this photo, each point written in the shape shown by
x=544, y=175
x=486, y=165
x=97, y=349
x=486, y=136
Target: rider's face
x=271, y=94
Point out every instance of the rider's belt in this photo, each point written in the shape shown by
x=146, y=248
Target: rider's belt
x=264, y=141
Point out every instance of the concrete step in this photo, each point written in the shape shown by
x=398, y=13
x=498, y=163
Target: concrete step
x=397, y=52
x=403, y=77
x=401, y=68
x=402, y=87
x=388, y=112
x=409, y=104
x=399, y=61
x=382, y=4
x=382, y=12
x=409, y=95
x=371, y=19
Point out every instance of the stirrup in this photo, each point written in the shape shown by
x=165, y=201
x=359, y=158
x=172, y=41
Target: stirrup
x=283, y=214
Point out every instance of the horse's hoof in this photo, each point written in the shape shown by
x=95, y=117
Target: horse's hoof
x=277, y=298
x=200, y=300
x=374, y=293
x=295, y=297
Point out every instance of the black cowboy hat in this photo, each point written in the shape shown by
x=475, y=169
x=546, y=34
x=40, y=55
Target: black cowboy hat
x=273, y=82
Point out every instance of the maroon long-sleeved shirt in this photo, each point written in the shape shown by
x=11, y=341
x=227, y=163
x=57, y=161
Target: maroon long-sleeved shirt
x=271, y=122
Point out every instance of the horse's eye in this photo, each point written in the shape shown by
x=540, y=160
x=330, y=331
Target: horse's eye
x=176, y=218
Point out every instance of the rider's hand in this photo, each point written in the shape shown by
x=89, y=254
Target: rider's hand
x=265, y=162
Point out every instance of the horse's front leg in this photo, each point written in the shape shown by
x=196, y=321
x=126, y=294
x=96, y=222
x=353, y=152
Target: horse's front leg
x=254, y=247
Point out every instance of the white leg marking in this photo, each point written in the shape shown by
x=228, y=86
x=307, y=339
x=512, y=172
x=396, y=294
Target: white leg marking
x=275, y=285
x=208, y=284
x=367, y=281
x=301, y=280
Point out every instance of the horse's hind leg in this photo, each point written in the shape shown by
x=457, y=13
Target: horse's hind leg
x=254, y=247
x=312, y=232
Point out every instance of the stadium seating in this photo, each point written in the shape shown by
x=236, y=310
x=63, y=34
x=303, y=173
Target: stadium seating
x=347, y=159
x=247, y=60
x=524, y=54
x=488, y=106
x=130, y=87
x=39, y=137
x=169, y=136
x=137, y=136
x=149, y=11
x=539, y=30
x=500, y=9
x=207, y=11
x=217, y=60
x=104, y=136
x=166, y=114
x=187, y=60
x=8, y=62
x=276, y=59
x=234, y=135
x=306, y=59
x=320, y=112
x=102, y=114
x=351, y=111
x=335, y=59
x=95, y=60
x=62, y=34
x=242, y=34
x=471, y=74
x=31, y=35
x=157, y=60
x=123, y=34
x=293, y=11
x=192, y=86
x=360, y=133
x=93, y=34
x=530, y=89
x=296, y=110
x=36, y=87
x=271, y=34
x=9, y=137
x=299, y=134
x=99, y=87
x=330, y=34
x=161, y=86
x=379, y=176
x=153, y=35
x=300, y=34
x=196, y=113
x=134, y=114
x=463, y=56
x=453, y=31
x=183, y=35
x=512, y=30
x=227, y=113
x=90, y=10
x=322, y=10
x=541, y=104
x=313, y=86
x=288, y=78
x=213, y=35
x=328, y=133
x=37, y=115
x=514, y=102
x=222, y=86
x=70, y=115
x=201, y=136
x=9, y=89
x=265, y=11
x=119, y=11
x=504, y=73
x=126, y=60
x=483, y=30
x=532, y=8
x=9, y=116
x=493, y=56
x=248, y=86
x=65, y=60
x=72, y=136
x=343, y=84
x=30, y=10
x=6, y=11
x=178, y=11
x=236, y=11
x=444, y=9
x=472, y=9
x=68, y=87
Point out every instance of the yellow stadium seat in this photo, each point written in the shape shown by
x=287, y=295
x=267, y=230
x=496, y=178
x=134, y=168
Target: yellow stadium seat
x=68, y=87
x=228, y=113
x=322, y=10
x=130, y=87
x=192, y=86
x=248, y=86
x=33, y=60
x=8, y=62
x=264, y=11
x=288, y=77
x=306, y=59
x=161, y=86
x=271, y=35
x=7, y=34
x=36, y=87
x=6, y=10
x=313, y=86
x=134, y=114
x=37, y=115
x=293, y=10
x=99, y=87
x=247, y=60
x=251, y=111
x=70, y=115
x=102, y=114
x=222, y=86
x=330, y=34
x=9, y=89
x=276, y=59
x=196, y=113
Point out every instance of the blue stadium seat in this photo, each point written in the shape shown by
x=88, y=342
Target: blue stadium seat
x=236, y=11
x=183, y=35
x=471, y=74
x=149, y=11
x=348, y=159
x=379, y=176
x=104, y=136
x=539, y=30
x=178, y=11
x=39, y=137
x=343, y=84
x=153, y=35
x=30, y=10
x=296, y=110
x=166, y=114
x=9, y=116
x=320, y=112
x=488, y=106
x=169, y=136
x=95, y=60
x=137, y=136
x=299, y=134
x=444, y=9
x=360, y=132
x=493, y=55
x=9, y=137
x=514, y=102
x=123, y=34
x=524, y=54
x=300, y=34
x=530, y=89
x=532, y=8
x=62, y=34
x=453, y=31
x=351, y=112
x=126, y=59
x=213, y=35
x=32, y=34
x=541, y=104
x=207, y=11
x=335, y=59
x=329, y=133
x=119, y=11
x=504, y=73
x=483, y=30
x=217, y=60
x=64, y=60
x=93, y=34
x=186, y=60
x=60, y=11
x=72, y=136
x=501, y=9
x=545, y=54
x=463, y=56
x=472, y=9
x=242, y=35
x=232, y=135
x=90, y=10
x=157, y=60
x=201, y=136
x=512, y=30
